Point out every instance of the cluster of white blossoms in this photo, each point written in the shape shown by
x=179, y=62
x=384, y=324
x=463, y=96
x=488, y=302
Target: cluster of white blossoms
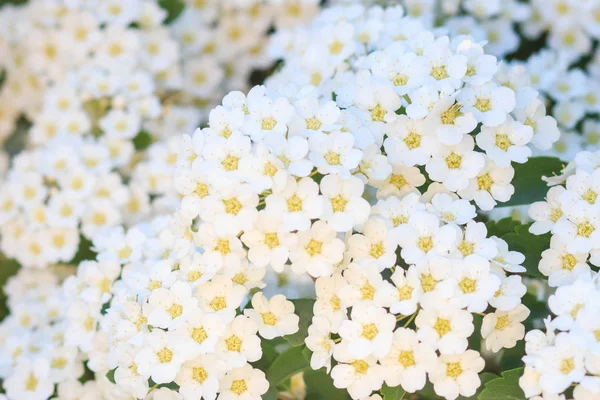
x=572, y=26
x=571, y=213
x=102, y=81
x=493, y=21
x=567, y=355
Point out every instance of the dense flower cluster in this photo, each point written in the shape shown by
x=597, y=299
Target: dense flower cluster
x=567, y=355
x=571, y=213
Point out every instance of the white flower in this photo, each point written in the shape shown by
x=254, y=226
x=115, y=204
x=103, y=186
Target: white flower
x=239, y=343
x=407, y=295
x=344, y=207
x=297, y=204
x=161, y=357
x=221, y=296
x=200, y=377
x=562, y=267
x=491, y=183
x=167, y=307
x=407, y=361
x=359, y=376
x=200, y=332
x=444, y=327
x=579, y=230
x=334, y=153
x=547, y=213
x=448, y=122
x=375, y=247
x=455, y=375
x=502, y=329
x=409, y=142
x=506, y=142
x=30, y=380
x=274, y=317
x=320, y=343
x=244, y=383
x=456, y=164
x=423, y=238
x=475, y=284
x=490, y=103
x=317, y=251
x=268, y=243
x=329, y=304
x=368, y=331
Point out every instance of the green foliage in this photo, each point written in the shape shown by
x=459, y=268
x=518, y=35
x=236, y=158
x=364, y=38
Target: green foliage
x=110, y=375
x=304, y=309
x=528, y=183
x=504, y=388
x=519, y=239
x=285, y=365
x=394, y=393
x=8, y=268
x=173, y=9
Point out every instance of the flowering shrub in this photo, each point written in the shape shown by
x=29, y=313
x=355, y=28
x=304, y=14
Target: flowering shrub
x=329, y=234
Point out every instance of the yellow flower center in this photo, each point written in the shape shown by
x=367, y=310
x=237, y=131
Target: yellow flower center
x=398, y=180
x=360, y=366
x=377, y=250
x=555, y=214
x=400, y=79
x=590, y=196
x=503, y=142
x=335, y=302
x=439, y=72
x=269, y=318
x=270, y=169
x=378, y=113
x=199, y=374
x=338, y=203
x=502, y=322
x=367, y=291
x=428, y=282
x=199, y=334
x=567, y=365
x=370, y=331
x=233, y=343
x=201, y=190
x=268, y=123
x=332, y=158
x=230, y=163
x=294, y=203
x=449, y=116
x=240, y=278
x=193, y=276
x=164, y=355
x=336, y=47
x=484, y=182
x=271, y=240
x=453, y=161
x=425, y=244
x=483, y=105
x=175, y=310
x=466, y=248
x=406, y=358
x=31, y=383
x=58, y=363
x=412, y=140
x=468, y=285
x=585, y=229
x=238, y=386
x=313, y=124
x=218, y=303
x=453, y=370
x=314, y=247
x=222, y=246
x=442, y=326
x=232, y=206
x=405, y=292
x=569, y=261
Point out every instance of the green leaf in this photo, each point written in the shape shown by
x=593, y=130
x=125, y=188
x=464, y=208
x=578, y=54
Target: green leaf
x=173, y=9
x=142, y=141
x=530, y=245
x=110, y=375
x=501, y=227
x=304, y=310
x=271, y=394
x=319, y=386
x=8, y=268
x=392, y=393
x=505, y=387
x=528, y=183
x=269, y=354
x=288, y=363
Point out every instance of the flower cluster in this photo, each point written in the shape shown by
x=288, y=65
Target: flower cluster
x=567, y=355
x=571, y=213
x=572, y=25
x=39, y=355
